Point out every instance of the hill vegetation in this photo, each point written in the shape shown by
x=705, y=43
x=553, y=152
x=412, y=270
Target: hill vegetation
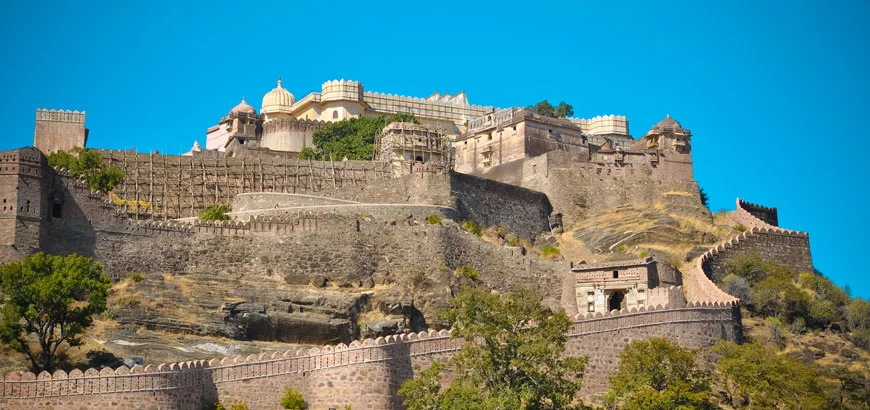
x=88, y=165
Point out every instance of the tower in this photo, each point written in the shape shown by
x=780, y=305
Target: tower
x=59, y=130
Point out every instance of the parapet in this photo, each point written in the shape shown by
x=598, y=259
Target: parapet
x=342, y=90
x=43, y=114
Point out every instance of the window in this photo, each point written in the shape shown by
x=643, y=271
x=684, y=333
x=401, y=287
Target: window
x=616, y=274
x=56, y=210
x=590, y=307
x=335, y=115
x=640, y=303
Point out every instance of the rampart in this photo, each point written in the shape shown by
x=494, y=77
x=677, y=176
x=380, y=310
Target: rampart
x=636, y=179
x=365, y=375
x=754, y=216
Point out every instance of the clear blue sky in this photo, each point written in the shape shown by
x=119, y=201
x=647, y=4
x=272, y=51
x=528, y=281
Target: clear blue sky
x=775, y=92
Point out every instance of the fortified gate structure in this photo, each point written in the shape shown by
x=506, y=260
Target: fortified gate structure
x=367, y=216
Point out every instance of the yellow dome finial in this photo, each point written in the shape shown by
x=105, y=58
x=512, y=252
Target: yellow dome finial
x=279, y=82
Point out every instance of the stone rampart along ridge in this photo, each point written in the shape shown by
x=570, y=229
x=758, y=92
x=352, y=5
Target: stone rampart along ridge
x=763, y=213
x=753, y=216
x=365, y=375
x=771, y=243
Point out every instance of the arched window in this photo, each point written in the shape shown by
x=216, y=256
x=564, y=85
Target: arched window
x=335, y=115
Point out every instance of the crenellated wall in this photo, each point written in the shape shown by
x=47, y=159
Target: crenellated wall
x=364, y=375
x=753, y=216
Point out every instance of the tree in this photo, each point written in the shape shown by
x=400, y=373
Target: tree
x=546, y=109
x=215, y=213
x=511, y=357
x=352, y=138
x=88, y=165
x=49, y=301
x=705, y=199
x=564, y=110
x=766, y=379
x=658, y=374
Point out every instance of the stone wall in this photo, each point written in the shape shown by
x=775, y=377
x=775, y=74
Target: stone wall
x=364, y=375
x=59, y=130
x=763, y=213
x=268, y=200
x=582, y=189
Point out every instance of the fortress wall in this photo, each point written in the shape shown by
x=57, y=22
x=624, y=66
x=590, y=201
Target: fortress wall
x=521, y=211
x=767, y=215
x=177, y=187
x=488, y=202
x=364, y=374
x=602, y=336
x=782, y=247
x=753, y=216
x=596, y=186
x=266, y=200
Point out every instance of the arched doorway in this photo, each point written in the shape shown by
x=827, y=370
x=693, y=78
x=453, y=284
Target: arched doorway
x=615, y=300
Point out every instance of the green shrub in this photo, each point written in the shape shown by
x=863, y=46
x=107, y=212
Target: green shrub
x=293, y=400
x=549, y=252
x=467, y=272
x=136, y=277
x=822, y=313
x=434, y=219
x=470, y=227
x=860, y=337
x=798, y=326
x=643, y=254
x=215, y=213
x=513, y=240
x=88, y=165
x=777, y=332
x=620, y=249
x=213, y=406
x=740, y=228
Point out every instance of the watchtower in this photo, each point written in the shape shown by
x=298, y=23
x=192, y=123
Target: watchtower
x=59, y=130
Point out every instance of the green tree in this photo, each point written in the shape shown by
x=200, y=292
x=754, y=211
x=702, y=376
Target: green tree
x=705, y=199
x=352, y=138
x=564, y=110
x=88, y=165
x=215, y=213
x=658, y=374
x=512, y=357
x=48, y=302
x=765, y=379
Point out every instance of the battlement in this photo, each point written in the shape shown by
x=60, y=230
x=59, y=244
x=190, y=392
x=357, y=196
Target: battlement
x=43, y=114
x=767, y=215
x=782, y=246
x=334, y=90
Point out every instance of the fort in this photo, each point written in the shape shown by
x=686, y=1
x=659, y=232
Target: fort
x=363, y=225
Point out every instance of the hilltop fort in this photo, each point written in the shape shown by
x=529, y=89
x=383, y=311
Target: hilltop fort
x=315, y=248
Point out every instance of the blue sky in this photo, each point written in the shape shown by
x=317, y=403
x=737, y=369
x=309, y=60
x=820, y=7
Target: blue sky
x=775, y=92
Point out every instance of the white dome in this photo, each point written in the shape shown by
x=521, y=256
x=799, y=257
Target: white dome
x=277, y=100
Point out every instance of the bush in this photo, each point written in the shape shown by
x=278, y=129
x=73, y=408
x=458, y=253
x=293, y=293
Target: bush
x=620, y=249
x=777, y=332
x=860, y=337
x=215, y=213
x=470, y=227
x=738, y=287
x=240, y=405
x=857, y=314
x=467, y=272
x=213, y=406
x=739, y=228
x=293, y=400
x=513, y=240
x=798, y=326
x=88, y=165
x=643, y=254
x=136, y=277
x=822, y=313
x=549, y=252
x=434, y=219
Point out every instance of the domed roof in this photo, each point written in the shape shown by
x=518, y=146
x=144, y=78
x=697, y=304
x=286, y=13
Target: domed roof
x=667, y=125
x=243, y=107
x=277, y=100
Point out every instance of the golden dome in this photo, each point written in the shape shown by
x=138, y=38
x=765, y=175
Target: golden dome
x=243, y=107
x=277, y=100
